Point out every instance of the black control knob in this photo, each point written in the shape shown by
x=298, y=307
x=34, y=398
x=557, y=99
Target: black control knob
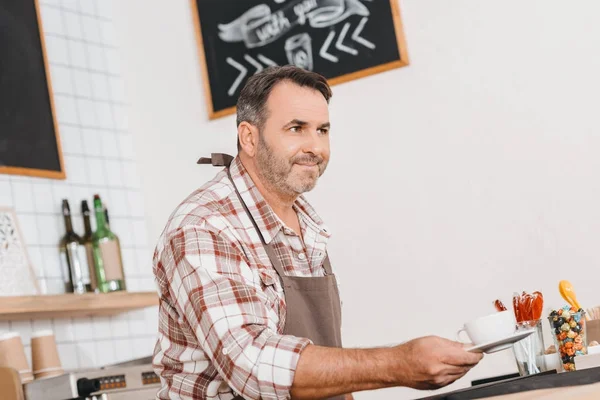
x=86, y=386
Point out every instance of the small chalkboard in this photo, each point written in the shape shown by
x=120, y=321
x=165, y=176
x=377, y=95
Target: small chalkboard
x=29, y=139
x=340, y=39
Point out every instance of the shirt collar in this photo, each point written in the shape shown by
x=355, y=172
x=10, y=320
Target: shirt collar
x=269, y=224
x=308, y=213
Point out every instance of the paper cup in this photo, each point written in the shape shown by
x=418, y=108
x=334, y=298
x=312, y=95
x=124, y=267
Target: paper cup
x=44, y=355
x=12, y=354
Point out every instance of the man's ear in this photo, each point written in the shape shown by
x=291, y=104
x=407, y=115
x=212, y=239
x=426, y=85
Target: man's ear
x=248, y=137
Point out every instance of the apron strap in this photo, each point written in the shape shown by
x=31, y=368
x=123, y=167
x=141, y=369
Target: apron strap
x=327, y=265
x=268, y=247
x=217, y=160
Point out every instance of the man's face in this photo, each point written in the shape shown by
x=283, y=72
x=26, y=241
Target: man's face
x=293, y=148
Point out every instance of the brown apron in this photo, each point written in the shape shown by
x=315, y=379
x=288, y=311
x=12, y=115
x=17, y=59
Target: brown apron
x=313, y=303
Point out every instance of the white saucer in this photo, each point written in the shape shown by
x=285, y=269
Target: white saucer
x=500, y=344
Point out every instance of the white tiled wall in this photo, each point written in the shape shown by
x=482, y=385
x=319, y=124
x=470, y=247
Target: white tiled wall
x=99, y=157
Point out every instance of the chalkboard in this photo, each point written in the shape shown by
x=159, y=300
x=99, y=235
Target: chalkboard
x=340, y=39
x=29, y=139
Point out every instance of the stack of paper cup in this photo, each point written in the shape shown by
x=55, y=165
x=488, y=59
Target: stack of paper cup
x=12, y=354
x=44, y=355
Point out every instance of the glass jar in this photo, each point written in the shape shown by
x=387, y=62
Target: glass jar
x=568, y=329
x=529, y=352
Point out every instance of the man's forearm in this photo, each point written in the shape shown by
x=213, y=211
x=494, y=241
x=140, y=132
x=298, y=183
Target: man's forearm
x=326, y=372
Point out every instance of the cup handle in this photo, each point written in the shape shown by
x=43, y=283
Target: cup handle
x=467, y=341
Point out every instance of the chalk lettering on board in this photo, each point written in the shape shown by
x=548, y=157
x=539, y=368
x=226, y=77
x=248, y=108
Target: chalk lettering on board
x=272, y=27
x=302, y=9
x=336, y=38
x=260, y=26
x=323, y=52
x=298, y=50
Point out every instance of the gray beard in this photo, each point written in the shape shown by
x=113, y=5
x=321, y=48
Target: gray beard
x=276, y=172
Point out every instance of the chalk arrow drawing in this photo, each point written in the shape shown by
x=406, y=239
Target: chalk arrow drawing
x=244, y=71
x=266, y=61
x=323, y=52
x=240, y=77
x=356, y=35
x=342, y=47
x=254, y=63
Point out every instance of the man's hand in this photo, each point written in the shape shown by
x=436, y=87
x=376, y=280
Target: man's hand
x=433, y=362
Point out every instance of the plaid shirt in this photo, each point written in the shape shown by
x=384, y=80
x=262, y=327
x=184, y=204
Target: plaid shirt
x=222, y=309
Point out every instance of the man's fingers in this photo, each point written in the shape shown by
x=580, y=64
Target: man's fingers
x=461, y=358
x=450, y=379
x=464, y=357
x=471, y=359
x=452, y=374
x=454, y=370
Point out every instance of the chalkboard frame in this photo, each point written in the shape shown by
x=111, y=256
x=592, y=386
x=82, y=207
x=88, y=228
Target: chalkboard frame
x=400, y=40
x=43, y=173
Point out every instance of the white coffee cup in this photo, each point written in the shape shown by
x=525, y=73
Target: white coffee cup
x=488, y=329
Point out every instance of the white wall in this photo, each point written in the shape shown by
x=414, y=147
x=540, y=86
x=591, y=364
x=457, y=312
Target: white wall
x=466, y=176
x=91, y=110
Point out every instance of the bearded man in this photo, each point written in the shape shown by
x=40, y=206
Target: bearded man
x=249, y=304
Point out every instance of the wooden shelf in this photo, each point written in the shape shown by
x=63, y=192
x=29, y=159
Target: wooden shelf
x=74, y=305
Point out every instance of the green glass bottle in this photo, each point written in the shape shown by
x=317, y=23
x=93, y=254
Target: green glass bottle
x=87, y=243
x=107, y=254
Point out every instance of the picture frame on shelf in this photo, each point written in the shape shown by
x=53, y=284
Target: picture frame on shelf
x=18, y=278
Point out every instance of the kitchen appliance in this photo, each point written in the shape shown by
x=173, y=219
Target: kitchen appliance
x=133, y=380
x=141, y=394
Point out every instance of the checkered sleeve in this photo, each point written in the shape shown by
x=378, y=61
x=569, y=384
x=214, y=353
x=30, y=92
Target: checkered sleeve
x=213, y=289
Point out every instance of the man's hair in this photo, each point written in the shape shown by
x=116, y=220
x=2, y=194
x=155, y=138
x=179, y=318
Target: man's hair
x=252, y=102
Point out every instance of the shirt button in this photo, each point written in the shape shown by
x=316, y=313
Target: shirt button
x=301, y=256
x=225, y=351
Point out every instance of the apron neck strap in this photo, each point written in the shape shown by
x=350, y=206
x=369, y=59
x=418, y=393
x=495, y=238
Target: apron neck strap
x=269, y=248
x=217, y=160
x=327, y=265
